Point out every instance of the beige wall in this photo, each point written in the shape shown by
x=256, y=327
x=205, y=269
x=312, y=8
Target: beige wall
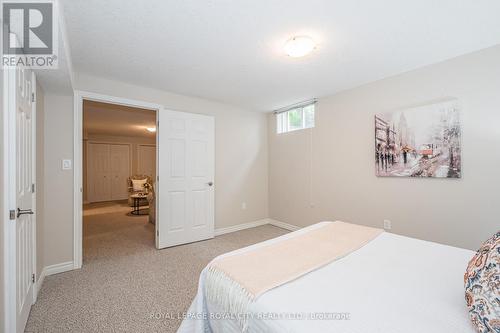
x=58, y=187
x=328, y=173
x=241, y=159
x=240, y=147
x=134, y=144
x=40, y=179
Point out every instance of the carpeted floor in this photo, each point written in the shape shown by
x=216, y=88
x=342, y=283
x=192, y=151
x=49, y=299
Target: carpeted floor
x=125, y=281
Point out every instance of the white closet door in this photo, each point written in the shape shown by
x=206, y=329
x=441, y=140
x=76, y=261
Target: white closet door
x=120, y=171
x=98, y=172
x=146, y=155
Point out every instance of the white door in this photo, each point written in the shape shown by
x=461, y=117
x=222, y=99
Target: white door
x=25, y=171
x=119, y=156
x=146, y=155
x=98, y=173
x=186, y=178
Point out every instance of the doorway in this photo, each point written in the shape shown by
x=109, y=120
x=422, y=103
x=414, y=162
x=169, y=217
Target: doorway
x=185, y=173
x=103, y=185
x=119, y=178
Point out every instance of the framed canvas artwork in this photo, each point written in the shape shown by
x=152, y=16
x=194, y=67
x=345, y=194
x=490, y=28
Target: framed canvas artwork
x=423, y=141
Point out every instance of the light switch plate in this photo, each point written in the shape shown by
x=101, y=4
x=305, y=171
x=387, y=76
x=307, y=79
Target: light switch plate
x=66, y=164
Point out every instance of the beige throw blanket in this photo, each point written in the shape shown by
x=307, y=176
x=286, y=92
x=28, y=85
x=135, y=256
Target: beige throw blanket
x=234, y=281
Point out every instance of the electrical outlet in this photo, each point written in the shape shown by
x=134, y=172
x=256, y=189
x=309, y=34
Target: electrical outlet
x=387, y=224
x=243, y=205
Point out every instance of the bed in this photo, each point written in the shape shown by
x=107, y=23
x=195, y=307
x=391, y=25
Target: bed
x=391, y=284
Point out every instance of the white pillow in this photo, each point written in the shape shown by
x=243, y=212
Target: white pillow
x=138, y=184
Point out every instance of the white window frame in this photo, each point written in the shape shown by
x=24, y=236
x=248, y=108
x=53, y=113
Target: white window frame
x=282, y=119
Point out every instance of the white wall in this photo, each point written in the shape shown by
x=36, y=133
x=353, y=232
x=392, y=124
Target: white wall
x=241, y=159
x=327, y=173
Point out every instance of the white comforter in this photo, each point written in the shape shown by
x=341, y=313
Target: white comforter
x=392, y=284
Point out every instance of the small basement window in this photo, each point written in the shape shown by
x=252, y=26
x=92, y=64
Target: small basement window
x=296, y=118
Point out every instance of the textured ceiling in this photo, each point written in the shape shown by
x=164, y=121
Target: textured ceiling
x=57, y=81
x=231, y=51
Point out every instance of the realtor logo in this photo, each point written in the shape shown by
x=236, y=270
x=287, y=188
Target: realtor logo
x=29, y=34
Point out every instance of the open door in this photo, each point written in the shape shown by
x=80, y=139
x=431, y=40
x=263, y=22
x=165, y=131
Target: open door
x=185, y=180
x=25, y=171
x=20, y=111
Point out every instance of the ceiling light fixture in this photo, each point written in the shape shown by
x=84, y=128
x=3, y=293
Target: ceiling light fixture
x=151, y=129
x=299, y=46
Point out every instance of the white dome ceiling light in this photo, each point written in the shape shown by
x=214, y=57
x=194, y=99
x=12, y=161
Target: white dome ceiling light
x=299, y=46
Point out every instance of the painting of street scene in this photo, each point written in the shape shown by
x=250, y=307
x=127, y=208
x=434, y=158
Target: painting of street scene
x=419, y=142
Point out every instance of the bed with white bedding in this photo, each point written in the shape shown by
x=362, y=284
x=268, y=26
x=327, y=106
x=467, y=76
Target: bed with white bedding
x=392, y=284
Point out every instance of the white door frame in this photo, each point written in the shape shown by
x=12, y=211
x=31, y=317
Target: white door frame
x=78, y=159
x=9, y=204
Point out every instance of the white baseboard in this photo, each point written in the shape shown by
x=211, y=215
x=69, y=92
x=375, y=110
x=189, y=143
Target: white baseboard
x=51, y=270
x=238, y=227
x=58, y=268
x=283, y=225
x=258, y=223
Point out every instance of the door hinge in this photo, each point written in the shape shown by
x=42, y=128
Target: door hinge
x=33, y=278
x=157, y=232
x=33, y=188
x=33, y=97
x=12, y=214
x=157, y=178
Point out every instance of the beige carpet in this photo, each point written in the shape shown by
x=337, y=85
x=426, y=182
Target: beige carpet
x=125, y=280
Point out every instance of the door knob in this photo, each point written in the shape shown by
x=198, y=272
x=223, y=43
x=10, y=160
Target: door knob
x=210, y=183
x=24, y=211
